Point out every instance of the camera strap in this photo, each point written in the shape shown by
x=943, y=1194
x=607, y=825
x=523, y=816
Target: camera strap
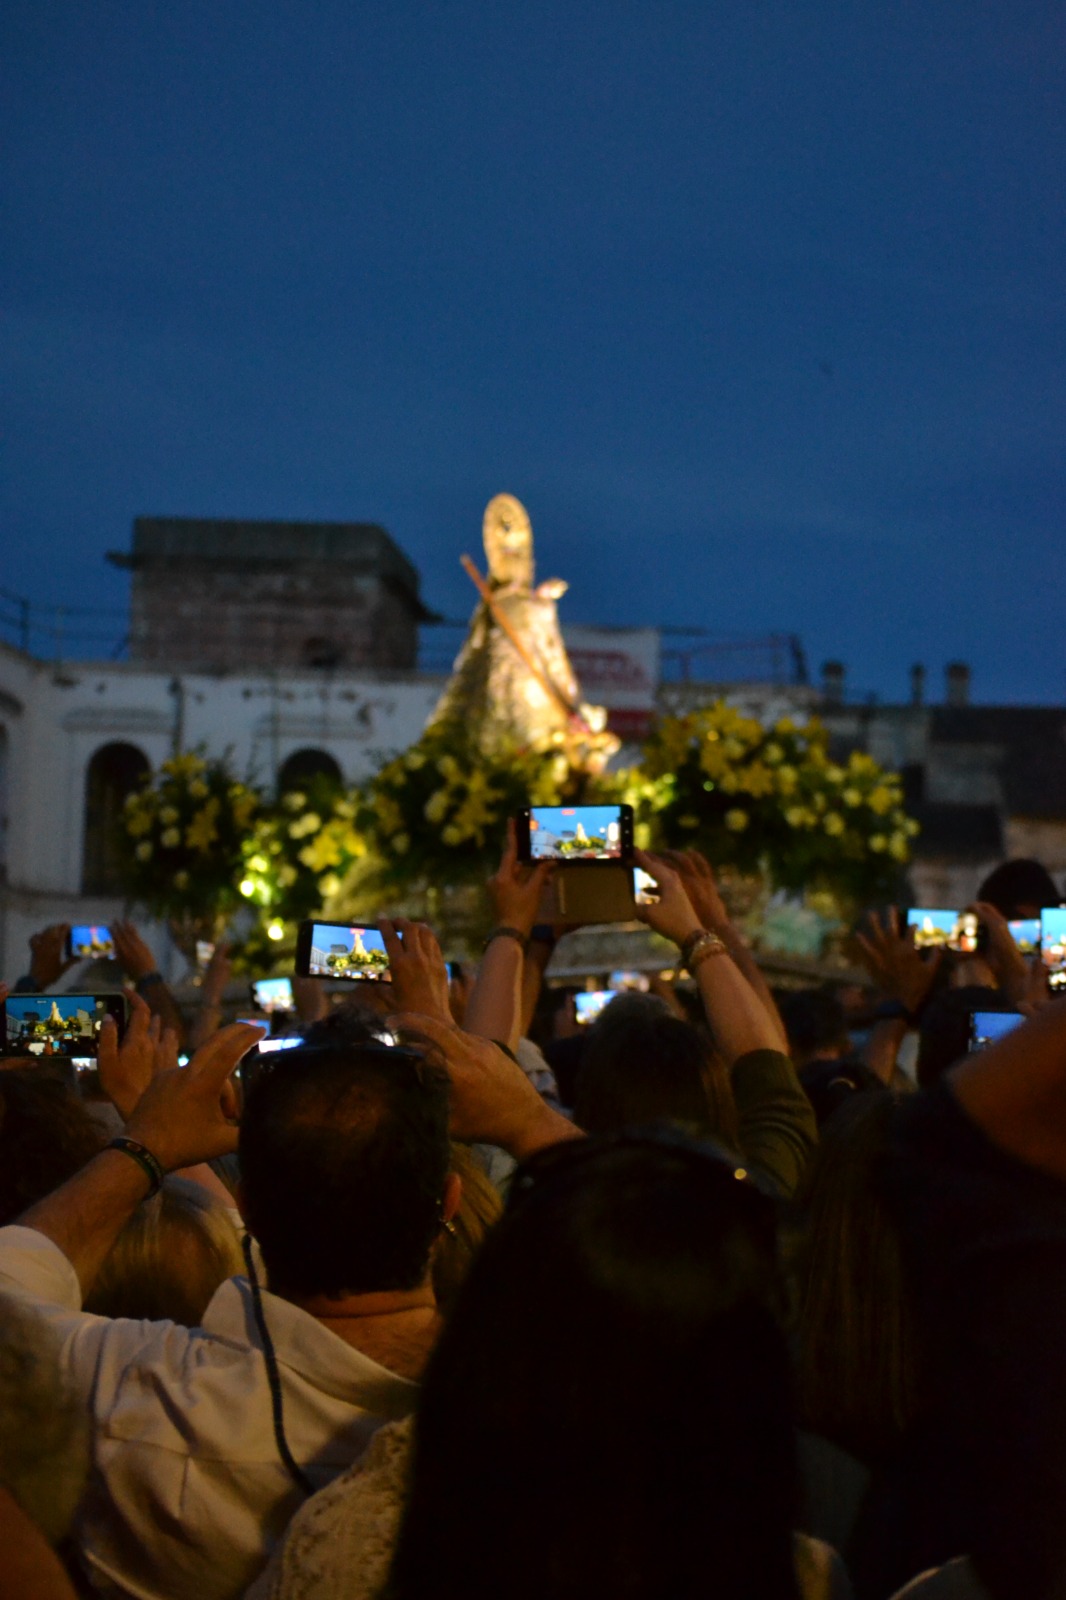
x=293, y=1468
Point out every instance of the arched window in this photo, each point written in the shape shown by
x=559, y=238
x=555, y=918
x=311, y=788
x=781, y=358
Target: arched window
x=115, y=771
x=304, y=767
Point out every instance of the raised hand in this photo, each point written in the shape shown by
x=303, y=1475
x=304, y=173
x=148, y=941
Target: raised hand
x=419, y=976
x=48, y=955
x=185, y=1114
x=1009, y=966
x=893, y=962
x=127, y=1069
x=216, y=976
x=673, y=914
x=698, y=878
x=516, y=888
x=492, y=1099
x=131, y=952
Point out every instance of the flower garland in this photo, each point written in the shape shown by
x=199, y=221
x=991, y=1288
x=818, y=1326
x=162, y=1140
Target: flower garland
x=772, y=800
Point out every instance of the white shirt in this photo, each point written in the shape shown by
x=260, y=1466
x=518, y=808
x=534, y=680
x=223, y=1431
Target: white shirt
x=188, y=1493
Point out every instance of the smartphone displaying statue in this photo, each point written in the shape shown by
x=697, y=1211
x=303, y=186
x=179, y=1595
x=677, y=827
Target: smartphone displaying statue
x=47, y=1025
x=576, y=835
x=345, y=951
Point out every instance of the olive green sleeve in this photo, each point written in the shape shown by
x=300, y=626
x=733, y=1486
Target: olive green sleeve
x=777, y=1128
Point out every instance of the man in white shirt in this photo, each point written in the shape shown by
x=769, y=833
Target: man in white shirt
x=206, y=1440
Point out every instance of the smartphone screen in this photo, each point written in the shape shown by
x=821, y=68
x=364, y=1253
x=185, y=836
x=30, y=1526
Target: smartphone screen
x=46, y=1025
x=86, y=940
x=945, y=930
x=267, y=1046
x=273, y=994
x=333, y=950
x=588, y=1006
x=576, y=833
x=637, y=981
x=1053, y=944
x=645, y=888
x=1026, y=934
x=988, y=1026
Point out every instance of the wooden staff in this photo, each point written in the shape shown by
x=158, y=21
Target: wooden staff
x=505, y=623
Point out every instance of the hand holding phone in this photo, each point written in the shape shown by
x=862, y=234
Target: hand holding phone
x=419, y=976
x=672, y=914
x=516, y=888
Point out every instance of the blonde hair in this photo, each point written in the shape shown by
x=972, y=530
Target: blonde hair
x=479, y=1208
x=44, y=1439
x=172, y=1255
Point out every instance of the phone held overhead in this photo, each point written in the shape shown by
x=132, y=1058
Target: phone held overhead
x=350, y=953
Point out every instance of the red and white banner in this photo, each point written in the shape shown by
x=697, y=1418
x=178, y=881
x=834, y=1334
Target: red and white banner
x=618, y=668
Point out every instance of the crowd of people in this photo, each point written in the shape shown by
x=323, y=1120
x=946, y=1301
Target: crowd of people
x=732, y=1293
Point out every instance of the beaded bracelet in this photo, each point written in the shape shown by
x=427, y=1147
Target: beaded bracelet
x=148, y=1163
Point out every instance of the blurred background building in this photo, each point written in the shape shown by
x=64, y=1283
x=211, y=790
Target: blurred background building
x=301, y=648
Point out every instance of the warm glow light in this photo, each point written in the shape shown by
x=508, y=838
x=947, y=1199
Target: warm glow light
x=247, y=888
x=740, y=1172
x=275, y=931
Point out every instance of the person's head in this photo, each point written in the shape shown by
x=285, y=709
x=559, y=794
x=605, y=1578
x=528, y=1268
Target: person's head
x=44, y=1442
x=642, y=1065
x=169, y=1259
x=609, y=1402
x=944, y=1034
x=344, y=1157
x=815, y=1024
x=46, y=1136
x=1020, y=888
x=857, y=1372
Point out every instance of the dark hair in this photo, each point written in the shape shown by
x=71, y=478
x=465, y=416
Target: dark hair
x=814, y=1020
x=46, y=1136
x=643, y=1065
x=1018, y=883
x=944, y=1036
x=857, y=1365
x=344, y=1153
x=613, y=1380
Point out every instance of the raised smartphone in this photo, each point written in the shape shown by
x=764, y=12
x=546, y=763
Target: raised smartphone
x=345, y=951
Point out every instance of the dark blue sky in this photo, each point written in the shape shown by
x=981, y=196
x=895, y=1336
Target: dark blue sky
x=758, y=307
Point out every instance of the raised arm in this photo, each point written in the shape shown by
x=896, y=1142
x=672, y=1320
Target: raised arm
x=494, y=1008
x=738, y=1019
x=700, y=886
x=181, y=1119
x=139, y=965
x=1015, y=1090
x=776, y=1124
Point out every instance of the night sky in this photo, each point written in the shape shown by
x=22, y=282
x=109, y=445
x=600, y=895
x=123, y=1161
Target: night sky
x=758, y=307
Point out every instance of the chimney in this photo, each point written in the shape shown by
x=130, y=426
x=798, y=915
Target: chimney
x=833, y=683
x=917, y=684
x=957, y=683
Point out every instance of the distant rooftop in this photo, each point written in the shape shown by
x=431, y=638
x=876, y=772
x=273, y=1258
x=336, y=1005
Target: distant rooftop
x=234, y=543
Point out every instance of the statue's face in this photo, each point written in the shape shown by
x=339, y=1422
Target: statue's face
x=508, y=541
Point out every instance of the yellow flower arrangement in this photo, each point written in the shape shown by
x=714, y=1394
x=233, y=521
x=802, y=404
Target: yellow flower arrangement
x=187, y=826
x=810, y=819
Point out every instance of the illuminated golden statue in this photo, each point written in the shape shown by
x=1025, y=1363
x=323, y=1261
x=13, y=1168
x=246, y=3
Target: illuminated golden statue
x=513, y=683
